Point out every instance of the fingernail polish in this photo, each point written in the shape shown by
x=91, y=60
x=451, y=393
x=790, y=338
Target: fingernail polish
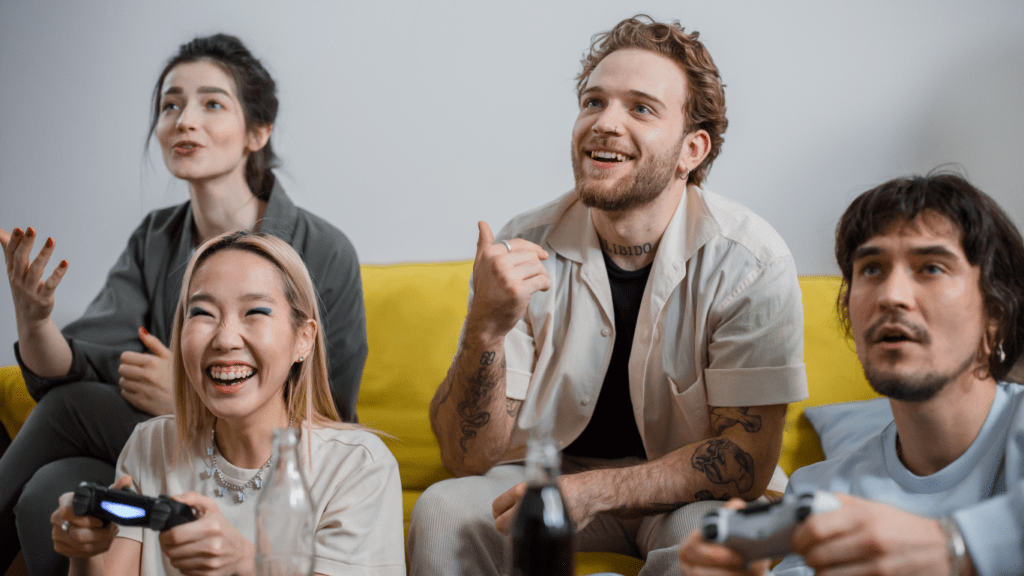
x=49, y=242
x=63, y=263
x=17, y=232
x=30, y=232
x=143, y=330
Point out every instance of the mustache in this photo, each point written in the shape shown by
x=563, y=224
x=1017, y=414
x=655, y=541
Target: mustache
x=613, y=143
x=895, y=317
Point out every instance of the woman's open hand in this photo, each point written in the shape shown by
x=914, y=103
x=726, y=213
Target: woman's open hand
x=209, y=546
x=82, y=536
x=33, y=297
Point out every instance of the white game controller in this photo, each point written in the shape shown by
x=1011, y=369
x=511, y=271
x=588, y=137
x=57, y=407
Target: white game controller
x=764, y=530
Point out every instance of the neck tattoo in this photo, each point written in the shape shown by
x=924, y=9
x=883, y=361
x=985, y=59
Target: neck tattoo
x=618, y=249
x=256, y=482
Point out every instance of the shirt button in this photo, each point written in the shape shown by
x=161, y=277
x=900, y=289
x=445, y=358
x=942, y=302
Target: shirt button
x=605, y=332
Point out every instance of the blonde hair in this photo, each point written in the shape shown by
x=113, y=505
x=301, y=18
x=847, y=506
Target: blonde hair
x=307, y=390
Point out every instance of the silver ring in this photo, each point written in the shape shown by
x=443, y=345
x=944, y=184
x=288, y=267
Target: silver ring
x=64, y=526
x=507, y=245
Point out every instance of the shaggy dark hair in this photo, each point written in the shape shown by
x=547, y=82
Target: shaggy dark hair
x=704, y=108
x=990, y=240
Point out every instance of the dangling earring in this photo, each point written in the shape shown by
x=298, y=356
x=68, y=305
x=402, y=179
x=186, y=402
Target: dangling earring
x=1000, y=353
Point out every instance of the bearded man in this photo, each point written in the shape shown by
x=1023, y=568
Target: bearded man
x=933, y=298
x=657, y=325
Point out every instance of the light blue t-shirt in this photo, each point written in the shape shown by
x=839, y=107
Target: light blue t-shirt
x=983, y=489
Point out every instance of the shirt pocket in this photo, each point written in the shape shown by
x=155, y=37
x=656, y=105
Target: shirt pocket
x=692, y=402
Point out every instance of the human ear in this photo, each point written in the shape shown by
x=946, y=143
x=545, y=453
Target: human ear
x=696, y=146
x=258, y=137
x=305, y=338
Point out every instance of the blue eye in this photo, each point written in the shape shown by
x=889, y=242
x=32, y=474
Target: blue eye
x=591, y=103
x=260, y=310
x=214, y=105
x=871, y=270
x=168, y=106
x=642, y=109
x=197, y=311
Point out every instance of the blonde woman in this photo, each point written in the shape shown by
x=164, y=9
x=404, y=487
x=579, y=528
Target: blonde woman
x=248, y=358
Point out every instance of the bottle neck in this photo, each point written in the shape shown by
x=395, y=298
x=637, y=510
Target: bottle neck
x=542, y=462
x=286, y=443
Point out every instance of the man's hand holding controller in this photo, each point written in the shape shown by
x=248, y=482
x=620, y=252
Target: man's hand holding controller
x=738, y=538
x=764, y=530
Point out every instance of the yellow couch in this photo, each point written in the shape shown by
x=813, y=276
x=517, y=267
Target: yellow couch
x=414, y=313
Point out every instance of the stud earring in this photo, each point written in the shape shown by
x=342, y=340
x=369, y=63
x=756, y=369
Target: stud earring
x=301, y=358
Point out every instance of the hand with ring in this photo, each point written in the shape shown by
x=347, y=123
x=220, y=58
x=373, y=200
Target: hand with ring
x=505, y=276
x=81, y=536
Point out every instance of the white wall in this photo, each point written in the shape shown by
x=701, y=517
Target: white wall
x=405, y=122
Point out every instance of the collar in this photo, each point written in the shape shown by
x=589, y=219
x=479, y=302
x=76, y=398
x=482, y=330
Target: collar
x=691, y=227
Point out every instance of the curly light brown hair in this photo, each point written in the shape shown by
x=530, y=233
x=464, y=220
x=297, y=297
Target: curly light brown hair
x=704, y=108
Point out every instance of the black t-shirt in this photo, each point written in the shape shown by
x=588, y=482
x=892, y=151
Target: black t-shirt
x=612, y=431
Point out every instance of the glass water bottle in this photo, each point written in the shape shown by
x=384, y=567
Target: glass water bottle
x=542, y=532
x=284, y=514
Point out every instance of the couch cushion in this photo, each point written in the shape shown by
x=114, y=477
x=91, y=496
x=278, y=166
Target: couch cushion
x=834, y=373
x=847, y=425
x=15, y=403
x=414, y=314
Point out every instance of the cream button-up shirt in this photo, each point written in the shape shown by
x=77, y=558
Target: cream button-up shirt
x=720, y=324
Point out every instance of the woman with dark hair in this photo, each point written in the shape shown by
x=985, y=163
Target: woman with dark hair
x=248, y=358
x=214, y=106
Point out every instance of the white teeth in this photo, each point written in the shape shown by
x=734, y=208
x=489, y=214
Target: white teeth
x=231, y=374
x=606, y=155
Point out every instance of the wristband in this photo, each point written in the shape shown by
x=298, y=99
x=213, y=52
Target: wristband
x=956, y=549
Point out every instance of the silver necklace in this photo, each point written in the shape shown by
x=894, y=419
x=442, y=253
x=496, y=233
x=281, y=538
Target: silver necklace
x=214, y=471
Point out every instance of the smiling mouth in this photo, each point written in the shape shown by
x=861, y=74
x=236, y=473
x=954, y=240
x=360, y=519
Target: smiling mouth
x=230, y=375
x=607, y=156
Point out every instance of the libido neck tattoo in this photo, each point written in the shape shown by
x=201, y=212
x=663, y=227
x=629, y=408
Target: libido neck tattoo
x=620, y=250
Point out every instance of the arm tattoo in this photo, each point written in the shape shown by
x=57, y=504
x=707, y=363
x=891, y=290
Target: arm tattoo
x=709, y=495
x=473, y=409
x=512, y=406
x=723, y=462
x=723, y=418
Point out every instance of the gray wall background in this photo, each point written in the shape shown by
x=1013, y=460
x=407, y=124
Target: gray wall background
x=405, y=122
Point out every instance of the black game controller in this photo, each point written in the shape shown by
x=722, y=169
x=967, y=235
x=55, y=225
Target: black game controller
x=764, y=530
x=124, y=507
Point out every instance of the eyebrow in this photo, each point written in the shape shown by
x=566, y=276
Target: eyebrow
x=934, y=250
x=634, y=93
x=202, y=90
x=250, y=297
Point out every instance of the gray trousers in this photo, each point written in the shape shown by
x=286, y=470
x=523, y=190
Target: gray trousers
x=74, y=434
x=452, y=530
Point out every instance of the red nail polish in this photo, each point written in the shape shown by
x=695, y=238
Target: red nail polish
x=17, y=232
x=144, y=331
x=49, y=242
x=63, y=263
x=30, y=232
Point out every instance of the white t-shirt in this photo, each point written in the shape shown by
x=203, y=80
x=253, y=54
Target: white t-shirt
x=355, y=488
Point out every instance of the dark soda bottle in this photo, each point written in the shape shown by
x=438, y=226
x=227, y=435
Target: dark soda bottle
x=542, y=532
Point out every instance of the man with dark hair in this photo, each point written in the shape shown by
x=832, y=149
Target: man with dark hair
x=933, y=296
x=658, y=323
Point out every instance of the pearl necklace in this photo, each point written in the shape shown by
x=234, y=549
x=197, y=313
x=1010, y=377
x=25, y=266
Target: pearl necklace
x=214, y=471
